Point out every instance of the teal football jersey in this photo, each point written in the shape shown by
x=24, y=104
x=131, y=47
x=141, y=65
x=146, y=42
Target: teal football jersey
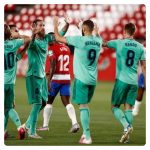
x=128, y=53
x=37, y=53
x=86, y=54
x=10, y=64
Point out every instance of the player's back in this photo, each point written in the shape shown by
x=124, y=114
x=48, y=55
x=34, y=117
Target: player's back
x=61, y=53
x=128, y=53
x=10, y=49
x=87, y=50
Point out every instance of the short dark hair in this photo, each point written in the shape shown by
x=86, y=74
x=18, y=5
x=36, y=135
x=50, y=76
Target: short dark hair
x=12, y=26
x=51, y=33
x=7, y=33
x=90, y=24
x=130, y=28
x=36, y=21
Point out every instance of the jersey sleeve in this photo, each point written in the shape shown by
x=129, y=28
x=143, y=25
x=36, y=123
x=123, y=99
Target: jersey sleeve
x=62, y=33
x=74, y=40
x=143, y=54
x=112, y=44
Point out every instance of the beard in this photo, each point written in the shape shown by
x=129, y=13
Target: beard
x=42, y=34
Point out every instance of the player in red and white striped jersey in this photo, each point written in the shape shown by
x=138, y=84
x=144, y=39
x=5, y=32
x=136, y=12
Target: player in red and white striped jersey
x=58, y=75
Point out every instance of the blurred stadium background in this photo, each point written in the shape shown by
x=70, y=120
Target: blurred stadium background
x=110, y=19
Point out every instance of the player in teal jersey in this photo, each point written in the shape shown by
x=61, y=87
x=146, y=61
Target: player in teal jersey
x=10, y=51
x=87, y=50
x=128, y=54
x=14, y=29
x=36, y=82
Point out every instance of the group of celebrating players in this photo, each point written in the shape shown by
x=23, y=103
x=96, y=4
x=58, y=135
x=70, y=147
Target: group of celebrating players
x=43, y=84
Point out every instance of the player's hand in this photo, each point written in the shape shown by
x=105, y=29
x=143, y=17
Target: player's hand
x=67, y=18
x=96, y=29
x=55, y=21
x=79, y=23
x=34, y=29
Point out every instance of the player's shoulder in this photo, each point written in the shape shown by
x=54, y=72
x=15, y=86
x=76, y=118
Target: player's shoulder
x=116, y=41
x=139, y=45
x=50, y=52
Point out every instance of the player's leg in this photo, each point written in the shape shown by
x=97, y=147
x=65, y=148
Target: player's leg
x=34, y=90
x=118, y=98
x=43, y=104
x=118, y=95
x=11, y=113
x=47, y=113
x=128, y=105
x=130, y=100
x=65, y=97
x=6, y=116
x=6, y=104
x=138, y=101
x=48, y=108
x=44, y=93
x=81, y=96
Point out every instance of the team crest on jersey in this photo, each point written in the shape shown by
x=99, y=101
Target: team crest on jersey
x=63, y=49
x=50, y=53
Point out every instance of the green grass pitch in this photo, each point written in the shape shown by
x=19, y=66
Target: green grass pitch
x=105, y=130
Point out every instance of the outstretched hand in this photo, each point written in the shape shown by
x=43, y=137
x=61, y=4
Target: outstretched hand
x=67, y=18
x=79, y=23
x=55, y=21
x=34, y=29
x=96, y=29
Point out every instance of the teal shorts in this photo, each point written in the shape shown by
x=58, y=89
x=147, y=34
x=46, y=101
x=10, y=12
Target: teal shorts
x=82, y=93
x=123, y=93
x=37, y=89
x=8, y=96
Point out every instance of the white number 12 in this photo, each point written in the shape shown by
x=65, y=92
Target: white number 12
x=63, y=65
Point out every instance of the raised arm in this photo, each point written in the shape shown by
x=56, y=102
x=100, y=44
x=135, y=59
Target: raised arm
x=67, y=22
x=96, y=30
x=58, y=37
x=22, y=52
x=27, y=39
x=16, y=35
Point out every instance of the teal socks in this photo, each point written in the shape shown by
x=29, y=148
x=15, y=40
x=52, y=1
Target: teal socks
x=129, y=116
x=32, y=119
x=120, y=116
x=85, y=121
x=14, y=117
